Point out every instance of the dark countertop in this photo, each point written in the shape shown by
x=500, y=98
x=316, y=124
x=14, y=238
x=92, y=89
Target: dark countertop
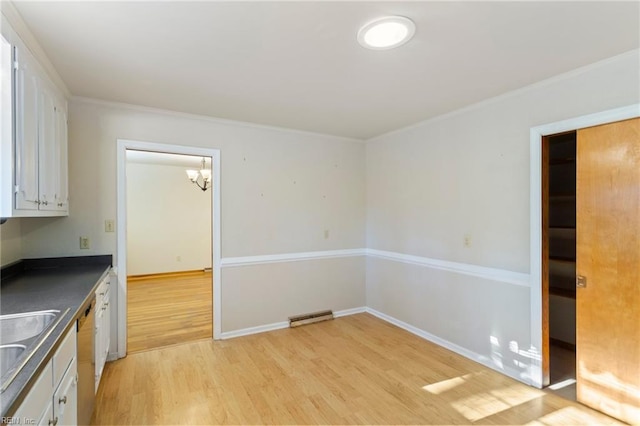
x=43, y=284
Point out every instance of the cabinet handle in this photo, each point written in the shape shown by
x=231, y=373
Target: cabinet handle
x=45, y=203
x=62, y=400
x=53, y=422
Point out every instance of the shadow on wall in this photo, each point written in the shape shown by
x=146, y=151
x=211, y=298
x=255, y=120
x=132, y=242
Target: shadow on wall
x=525, y=361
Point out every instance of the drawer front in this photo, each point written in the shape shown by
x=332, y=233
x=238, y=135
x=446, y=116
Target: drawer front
x=102, y=289
x=65, y=400
x=64, y=355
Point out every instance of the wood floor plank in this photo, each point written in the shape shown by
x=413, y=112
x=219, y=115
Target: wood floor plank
x=352, y=370
x=166, y=310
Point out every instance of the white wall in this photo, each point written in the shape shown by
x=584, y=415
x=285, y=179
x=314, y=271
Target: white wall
x=291, y=288
x=10, y=241
x=168, y=220
x=467, y=174
x=280, y=191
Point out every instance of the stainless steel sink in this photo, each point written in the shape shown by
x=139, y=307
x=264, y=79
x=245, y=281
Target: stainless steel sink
x=19, y=327
x=20, y=337
x=9, y=354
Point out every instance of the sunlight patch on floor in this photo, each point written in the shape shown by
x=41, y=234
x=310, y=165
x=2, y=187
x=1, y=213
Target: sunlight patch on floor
x=485, y=404
x=562, y=384
x=446, y=385
x=571, y=415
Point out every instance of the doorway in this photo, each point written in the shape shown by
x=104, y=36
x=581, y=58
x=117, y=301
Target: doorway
x=606, y=205
x=559, y=258
x=186, y=274
x=169, y=279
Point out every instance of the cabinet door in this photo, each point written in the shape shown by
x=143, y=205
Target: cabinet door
x=6, y=130
x=65, y=400
x=26, y=132
x=62, y=199
x=38, y=404
x=47, y=149
x=106, y=328
x=98, y=341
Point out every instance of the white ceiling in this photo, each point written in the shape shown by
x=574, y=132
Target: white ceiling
x=299, y=65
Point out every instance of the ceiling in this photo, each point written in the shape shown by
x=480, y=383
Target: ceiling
x=298, y=64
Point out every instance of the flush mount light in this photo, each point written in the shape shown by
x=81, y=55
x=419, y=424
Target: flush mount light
x=386, y=33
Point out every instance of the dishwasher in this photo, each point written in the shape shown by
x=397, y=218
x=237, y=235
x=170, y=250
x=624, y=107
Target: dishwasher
x=86, y=364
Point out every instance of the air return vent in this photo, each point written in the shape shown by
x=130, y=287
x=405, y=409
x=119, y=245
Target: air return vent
x=299, y=320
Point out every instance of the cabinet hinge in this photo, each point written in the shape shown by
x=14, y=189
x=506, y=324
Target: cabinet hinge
x=16, y=189
x=16, y=65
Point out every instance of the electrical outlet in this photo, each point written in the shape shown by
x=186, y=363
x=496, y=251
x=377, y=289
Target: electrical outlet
x=467, y=240
x=109, y=226
x=326, y=234
x=178, y=258
x=84, y=243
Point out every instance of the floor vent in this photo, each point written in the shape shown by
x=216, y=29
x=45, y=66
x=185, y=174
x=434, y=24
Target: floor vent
x=299, y=320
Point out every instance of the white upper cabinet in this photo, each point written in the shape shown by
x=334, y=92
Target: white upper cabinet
x=36, y=149
x=26, y=131
x=62, y=194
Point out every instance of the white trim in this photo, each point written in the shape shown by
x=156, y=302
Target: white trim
x=493, y=274
x=228, y=262
x=284, y=324
x=216, y=120
x=254, y=330
x=489, y=101
x=347, y=312
x=486, y=361
x=535, y=214
x=122, y=146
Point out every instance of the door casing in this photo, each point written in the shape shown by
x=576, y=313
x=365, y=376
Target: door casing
x=121, y=250
x=535, y=192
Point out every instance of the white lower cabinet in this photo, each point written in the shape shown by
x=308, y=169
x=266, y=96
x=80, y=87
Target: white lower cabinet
x=65, y=399
x=37, y=407
x=102, y=328
x=53, y=398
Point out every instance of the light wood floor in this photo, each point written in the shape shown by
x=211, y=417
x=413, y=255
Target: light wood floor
x=352, y=370
x=163, y=311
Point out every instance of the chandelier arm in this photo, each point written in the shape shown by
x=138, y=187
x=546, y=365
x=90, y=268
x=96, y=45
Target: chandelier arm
x=204, y=188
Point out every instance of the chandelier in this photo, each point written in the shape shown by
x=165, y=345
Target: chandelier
x=203, y=175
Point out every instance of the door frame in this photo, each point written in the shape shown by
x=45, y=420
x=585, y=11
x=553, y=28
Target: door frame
x=539, y=323
x=121, y=251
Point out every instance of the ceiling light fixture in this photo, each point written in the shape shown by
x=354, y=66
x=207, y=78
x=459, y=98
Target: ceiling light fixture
x=386, y=33
x=204, y=173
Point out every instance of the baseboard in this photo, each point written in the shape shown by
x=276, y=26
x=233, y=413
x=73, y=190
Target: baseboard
x=347, y=312
x=133, y=278
x=514, y=374
x=254, y=330
x=284, y=324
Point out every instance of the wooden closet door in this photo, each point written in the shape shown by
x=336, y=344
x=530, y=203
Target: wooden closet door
x=608, y=255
